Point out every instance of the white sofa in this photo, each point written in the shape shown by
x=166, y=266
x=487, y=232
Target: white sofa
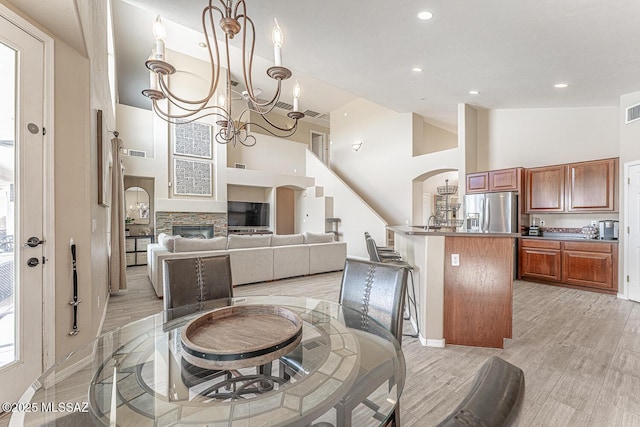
x=253, y=258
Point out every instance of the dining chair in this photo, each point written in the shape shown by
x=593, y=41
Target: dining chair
x=189, y=282
x=372, y=294
x=192, y=280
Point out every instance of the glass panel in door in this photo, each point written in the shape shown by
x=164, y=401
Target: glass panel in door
x=7, y=198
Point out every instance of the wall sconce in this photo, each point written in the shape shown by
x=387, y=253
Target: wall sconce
x=356, y=145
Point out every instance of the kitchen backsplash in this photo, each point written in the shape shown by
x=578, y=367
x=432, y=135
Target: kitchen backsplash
x=571, y=220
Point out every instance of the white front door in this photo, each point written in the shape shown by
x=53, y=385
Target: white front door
x=21, y=209
x=633, y=236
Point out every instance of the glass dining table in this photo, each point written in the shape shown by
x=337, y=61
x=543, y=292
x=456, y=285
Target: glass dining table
x=137, y=375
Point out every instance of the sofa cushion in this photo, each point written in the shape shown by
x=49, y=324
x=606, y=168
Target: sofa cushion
x=318, y=237
x=167, y=241
x=188, y=245
x=240, y=241
x=287, y=239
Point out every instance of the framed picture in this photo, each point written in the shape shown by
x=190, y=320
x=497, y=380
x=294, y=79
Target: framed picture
x=191, y=177
x=103, y=148
x=192, y=139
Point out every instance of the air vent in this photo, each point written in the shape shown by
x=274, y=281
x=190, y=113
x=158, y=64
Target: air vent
x=234, y=83
x=137, y=153
x=240, y=165
x=284, y=106
x=311, y=113
x=633, y=113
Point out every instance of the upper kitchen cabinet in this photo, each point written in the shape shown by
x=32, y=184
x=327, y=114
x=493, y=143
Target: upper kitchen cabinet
x=505, y=179
x=494, y=181
x=545, y=189
x=592, y=186
x=477, y=182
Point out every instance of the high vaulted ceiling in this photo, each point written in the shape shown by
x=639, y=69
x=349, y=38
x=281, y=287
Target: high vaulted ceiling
x=512, y=52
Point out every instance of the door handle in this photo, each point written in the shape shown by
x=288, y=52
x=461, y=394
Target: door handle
x=33, y=262
x=32, y=242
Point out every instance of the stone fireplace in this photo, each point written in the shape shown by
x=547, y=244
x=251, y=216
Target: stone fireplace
x=216, y=223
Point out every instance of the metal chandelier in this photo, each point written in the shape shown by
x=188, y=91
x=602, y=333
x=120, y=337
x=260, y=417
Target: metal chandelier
x=233, y=20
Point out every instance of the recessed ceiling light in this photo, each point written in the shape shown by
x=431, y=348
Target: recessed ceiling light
x=425, y=15
x=561, y=85
x=202, y=44
x=474, y=92
x=416, y=69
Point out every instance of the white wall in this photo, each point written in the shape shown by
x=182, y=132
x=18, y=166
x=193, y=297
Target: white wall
x=383, y=170
x=356, y=216
x=434, y=139
x=545, y=136
x=137, y=125
x=629, y=152
x=270, y=154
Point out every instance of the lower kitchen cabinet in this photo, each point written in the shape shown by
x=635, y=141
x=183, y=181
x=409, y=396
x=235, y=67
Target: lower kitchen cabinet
x=540, y=259
x=587, y=265
x=590, y=264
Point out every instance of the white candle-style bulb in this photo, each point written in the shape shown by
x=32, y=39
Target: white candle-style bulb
x=296, y=96
x=159, y=32
x=278, y=39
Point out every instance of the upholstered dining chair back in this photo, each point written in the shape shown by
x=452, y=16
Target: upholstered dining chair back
x=375, y=291
x=192, y=280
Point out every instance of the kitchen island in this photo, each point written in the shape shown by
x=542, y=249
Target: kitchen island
x=464, y=284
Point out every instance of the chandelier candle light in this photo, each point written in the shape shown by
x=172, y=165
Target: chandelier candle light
x=233, y=21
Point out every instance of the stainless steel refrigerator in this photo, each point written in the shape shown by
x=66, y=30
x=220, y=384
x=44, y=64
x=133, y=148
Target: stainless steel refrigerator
x=491, y=212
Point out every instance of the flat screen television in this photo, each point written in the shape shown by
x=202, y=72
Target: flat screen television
x=248, y=214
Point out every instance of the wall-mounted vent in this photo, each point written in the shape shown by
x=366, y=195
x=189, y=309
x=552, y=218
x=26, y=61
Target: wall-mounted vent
x=240, y=165
x=234, y=83
x=284, y=106
x=311, y=113
x=137, y=153
x=633, y=113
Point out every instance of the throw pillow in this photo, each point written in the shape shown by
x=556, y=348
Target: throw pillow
x=167, y=241
x=189, y=245
x=287, y=239
x=318, y=237
x=239, y=241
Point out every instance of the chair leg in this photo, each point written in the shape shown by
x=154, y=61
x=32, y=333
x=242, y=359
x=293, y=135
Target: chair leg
x=411, y=302
x=343, y=416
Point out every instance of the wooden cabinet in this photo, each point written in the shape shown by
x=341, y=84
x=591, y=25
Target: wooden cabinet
x=591, y=186
x=505, y=179
x=590, y=265
x=540, y=259
x=545, y=189
x=576, y=187
x=136, y=248
x=494, y=181
x=477, y=182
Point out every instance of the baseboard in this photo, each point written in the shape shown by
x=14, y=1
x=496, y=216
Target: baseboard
x=435, y=343
x=622, y=296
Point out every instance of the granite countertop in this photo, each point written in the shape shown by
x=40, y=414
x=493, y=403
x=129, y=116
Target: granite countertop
x=420, y=230
x=572, y=238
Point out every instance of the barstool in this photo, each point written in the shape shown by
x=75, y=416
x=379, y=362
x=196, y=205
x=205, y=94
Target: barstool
x=395, y=258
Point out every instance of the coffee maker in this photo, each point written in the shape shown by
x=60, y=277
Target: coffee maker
x=608, y=230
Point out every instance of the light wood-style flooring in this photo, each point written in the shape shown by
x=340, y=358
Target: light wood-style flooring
x=580, y=352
